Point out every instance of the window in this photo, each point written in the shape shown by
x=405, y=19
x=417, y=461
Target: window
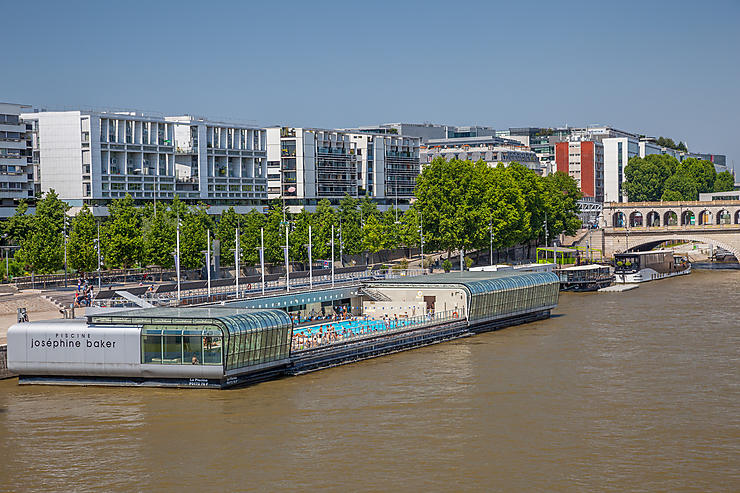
x=167, y=345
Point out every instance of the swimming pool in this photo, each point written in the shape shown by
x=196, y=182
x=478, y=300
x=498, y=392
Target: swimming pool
x=352, y=327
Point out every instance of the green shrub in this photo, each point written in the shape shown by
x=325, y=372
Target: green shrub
x=447, y=265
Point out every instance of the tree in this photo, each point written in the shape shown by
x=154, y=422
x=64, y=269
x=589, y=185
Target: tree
x=20, y=224
x=646, y=177
x=83, y=251
x=724, y=182
x=42, y=248
x=275, y=233
x=299, y=237
x=323, y=219
x=349, y=217
x=226, y=235
x=680, y=186
x=373, y=235
x=701, y=172
x=249, y=236
x=160, y=237
x=561, y=201
x=124, y=242
x=193, y=237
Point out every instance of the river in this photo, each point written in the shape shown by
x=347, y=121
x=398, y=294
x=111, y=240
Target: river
x=617, y=391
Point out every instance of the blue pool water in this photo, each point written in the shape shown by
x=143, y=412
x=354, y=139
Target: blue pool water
x=354, y=327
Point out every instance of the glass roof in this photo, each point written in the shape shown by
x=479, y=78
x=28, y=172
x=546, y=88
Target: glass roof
x=490, y=279
x=230, y=317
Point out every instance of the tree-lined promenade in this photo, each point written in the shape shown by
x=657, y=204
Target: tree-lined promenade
x=459, y=205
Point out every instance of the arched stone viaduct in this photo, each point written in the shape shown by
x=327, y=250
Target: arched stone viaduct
x=629, y=225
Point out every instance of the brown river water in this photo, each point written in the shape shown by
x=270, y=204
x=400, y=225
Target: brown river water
x=635, y=391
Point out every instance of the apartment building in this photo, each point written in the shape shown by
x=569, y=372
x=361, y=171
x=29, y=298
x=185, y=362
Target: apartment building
x=306, y=165
x=16, y=158
x=584, y=161
x=94, y=157
x=388, y=166
x=491, y=149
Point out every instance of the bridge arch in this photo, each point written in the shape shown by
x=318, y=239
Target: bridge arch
x=618, y=220
x=670, y=218
x=705, y=217
x=653, y=220
x=688, y=218
x=636, y=219
x=737, y=217
x=724, y=217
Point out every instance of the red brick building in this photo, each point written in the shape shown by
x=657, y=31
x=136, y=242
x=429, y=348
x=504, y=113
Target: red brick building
x=584, y=161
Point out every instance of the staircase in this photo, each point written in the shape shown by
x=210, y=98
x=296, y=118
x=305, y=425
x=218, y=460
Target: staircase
x=374, y=294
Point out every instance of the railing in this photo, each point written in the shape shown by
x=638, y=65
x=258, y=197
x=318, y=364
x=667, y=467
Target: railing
x=314, y=336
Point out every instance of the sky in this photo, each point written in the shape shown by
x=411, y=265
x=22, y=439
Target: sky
x=660, y=68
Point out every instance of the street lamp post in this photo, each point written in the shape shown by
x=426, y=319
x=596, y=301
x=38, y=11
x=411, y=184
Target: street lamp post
x=64, y=229
x=310, y=260
x=491, y=241
x=100, y=280
x=208, y=261
x=421, y=240
x=287, y=262
x=261, y=249
x=332, y=255
x=177, y=259
x=237, y=254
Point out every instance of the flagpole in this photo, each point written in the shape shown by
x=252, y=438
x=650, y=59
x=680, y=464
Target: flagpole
x=208, y=262
x=332, y=255
x=236, y=261
x=310, y=263
x=262, y=257
x=287, y=263
x=177, y=259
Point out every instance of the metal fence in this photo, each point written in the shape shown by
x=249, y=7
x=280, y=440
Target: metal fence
x=313, y=336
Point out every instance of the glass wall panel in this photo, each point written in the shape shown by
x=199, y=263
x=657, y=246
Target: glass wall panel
x=171, y=348
x=193, y=349
x=151, y=349
x=212, y=350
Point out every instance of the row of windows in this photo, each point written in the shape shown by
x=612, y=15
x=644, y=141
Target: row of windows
x=170, y=345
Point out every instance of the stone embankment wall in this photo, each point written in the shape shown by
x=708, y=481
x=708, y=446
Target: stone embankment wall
x=4, y=372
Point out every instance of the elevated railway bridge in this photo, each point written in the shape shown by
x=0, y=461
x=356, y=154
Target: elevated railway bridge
x=640, y=225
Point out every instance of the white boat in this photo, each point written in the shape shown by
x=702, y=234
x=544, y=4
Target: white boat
x=632, y=267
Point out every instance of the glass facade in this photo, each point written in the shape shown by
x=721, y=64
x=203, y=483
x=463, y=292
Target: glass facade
x=494, y=298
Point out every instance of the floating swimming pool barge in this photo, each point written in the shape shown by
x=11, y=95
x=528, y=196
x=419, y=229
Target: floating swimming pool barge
x=222, y=347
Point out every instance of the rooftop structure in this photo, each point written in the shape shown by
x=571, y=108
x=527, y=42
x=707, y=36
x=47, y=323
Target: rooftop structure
x=490, y=149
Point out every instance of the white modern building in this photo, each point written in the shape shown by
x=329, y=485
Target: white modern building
x=16, y=158
x=388, y=166
x=306, y=165
x=492, y=150
x=94, y=157
x=617, y=153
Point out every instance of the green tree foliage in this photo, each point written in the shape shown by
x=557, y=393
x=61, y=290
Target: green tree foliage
x=724, y=182
x=679, y=187
x=82, y=248
x=226, y=235
x=123, y=240
x=193, y=237
x=19, y=226
x=701, y=172
x=249, y=236
x=562, y=197
x=373, y=235
x=666, y=142
x=160, y=232
x=324, y=217
x=645, y=178
x=299, y=237
x=42, y=249
x=349, y=218
x=275, y=233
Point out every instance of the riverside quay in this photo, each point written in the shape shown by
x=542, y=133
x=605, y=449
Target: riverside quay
x=226, y=345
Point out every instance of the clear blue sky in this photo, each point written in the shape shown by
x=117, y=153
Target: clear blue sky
x=667, y=68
